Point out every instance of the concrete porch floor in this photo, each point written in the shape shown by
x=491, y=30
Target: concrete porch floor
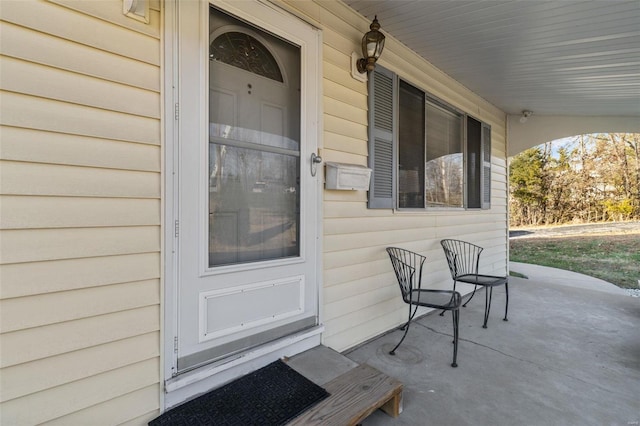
x=567, y=356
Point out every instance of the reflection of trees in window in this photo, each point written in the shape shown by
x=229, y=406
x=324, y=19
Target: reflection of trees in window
x=444, y=174
x=243, y=51
x=256, y=171
x=443, y=179
x=253, y=215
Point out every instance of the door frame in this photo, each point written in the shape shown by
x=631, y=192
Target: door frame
x=178, y=388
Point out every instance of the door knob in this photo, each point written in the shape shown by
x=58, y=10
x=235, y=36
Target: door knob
x=315, y=160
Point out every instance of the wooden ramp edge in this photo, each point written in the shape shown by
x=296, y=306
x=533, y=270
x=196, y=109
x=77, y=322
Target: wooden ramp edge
x=354, y=396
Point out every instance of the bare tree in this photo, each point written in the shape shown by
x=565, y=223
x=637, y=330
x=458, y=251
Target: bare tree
x=584, y=179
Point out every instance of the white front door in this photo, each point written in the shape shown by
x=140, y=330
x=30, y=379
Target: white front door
x=246, y=200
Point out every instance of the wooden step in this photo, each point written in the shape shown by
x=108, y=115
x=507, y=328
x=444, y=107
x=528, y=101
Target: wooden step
x=354, y=396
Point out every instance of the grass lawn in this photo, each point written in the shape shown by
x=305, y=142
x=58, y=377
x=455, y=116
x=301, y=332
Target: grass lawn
x=613, y=258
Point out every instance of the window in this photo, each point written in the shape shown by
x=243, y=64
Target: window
x=411, y=148
x=424, y=153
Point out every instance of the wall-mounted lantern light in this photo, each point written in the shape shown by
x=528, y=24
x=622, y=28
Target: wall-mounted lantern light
x=372, y=45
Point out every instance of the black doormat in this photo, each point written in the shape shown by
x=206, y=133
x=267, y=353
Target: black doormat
x=272, y=395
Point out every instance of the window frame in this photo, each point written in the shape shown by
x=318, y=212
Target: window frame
x=380, y=199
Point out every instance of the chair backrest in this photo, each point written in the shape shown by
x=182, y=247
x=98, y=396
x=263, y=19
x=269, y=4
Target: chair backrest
x=408, y=268
x=463, y=257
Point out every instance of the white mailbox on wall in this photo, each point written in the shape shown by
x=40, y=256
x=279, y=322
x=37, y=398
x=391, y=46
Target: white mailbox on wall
x=347, y=176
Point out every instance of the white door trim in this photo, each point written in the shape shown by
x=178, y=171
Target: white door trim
x=205, y=377
x=169, y=322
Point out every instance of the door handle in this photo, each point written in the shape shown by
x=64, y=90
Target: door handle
x=315, y=160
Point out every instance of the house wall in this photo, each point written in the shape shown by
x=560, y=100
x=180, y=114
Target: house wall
x=360, y=294
x=80, y=213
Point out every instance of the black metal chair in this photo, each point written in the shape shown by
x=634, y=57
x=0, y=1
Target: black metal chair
x=408, y=268
x=463, y=259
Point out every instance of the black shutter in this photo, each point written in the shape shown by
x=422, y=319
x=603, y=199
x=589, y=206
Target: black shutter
x=486, y=166
x=382, y=94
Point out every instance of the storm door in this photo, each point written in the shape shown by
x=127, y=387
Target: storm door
x=247, y=216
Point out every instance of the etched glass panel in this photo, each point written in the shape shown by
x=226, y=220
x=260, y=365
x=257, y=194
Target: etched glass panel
x=243, y=51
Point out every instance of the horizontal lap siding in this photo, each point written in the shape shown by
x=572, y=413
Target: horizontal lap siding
x=80, y=213
x=360, y=294
x=38, y=146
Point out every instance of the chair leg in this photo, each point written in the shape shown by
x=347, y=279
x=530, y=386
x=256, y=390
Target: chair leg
x=472, y=294
x=506, y=306
x=456, y=322
x=488, y=295
x=405, y=328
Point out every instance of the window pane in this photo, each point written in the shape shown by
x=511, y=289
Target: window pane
x=474, y=162
x=253, y=207
x=411, y=147
x=254, y=144
x=444, y=167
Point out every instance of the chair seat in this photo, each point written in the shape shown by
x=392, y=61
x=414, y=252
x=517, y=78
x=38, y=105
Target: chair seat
x=483, y=280
x=439, y=299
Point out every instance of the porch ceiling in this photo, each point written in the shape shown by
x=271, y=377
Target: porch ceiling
x=579, y=58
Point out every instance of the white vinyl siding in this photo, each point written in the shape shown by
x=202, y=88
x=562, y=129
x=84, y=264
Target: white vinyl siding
x=360, y=295
x=80, y=213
